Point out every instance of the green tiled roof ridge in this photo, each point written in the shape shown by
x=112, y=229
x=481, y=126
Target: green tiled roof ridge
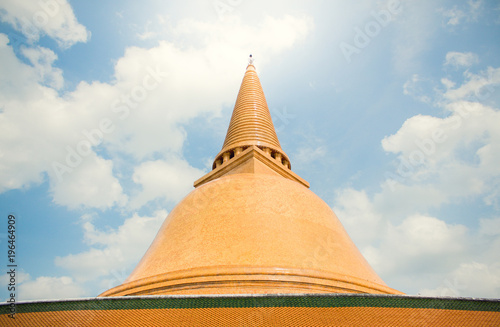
x=248, y=301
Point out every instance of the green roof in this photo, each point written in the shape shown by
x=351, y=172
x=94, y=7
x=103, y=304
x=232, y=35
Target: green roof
x=255, y=301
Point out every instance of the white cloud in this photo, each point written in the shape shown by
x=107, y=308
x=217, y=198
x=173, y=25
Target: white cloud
x=148, y=32
x=38, y=128
x=447, y=83
x=26, y=106
x=434, y=151
x=170, y=180
x=359, y=216
x=225, y=39
x=479, y=87
x=410, y=237
x=471, y=279
x=454, y=16
x=110, y=257
x=416, y=88
x=468, y=13
x=441, y=161
x=402, y=247
x=112, y=251
x=135, y=118
x=46, y=288
x=489, y=226
x=91, y=184
x=309, y=153
x=422, y=236
x=460, y=59
x=42, y=60
x=414, y=250
x=54, y=18
x=21, y=277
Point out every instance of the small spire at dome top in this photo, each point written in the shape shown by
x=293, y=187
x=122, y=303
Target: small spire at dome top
x=251, y=122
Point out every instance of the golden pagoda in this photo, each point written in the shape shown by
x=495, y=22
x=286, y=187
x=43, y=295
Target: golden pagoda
x=251, y=245
x=251, y=225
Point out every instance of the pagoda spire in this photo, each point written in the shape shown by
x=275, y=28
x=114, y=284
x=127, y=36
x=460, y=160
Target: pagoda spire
x=251, y=122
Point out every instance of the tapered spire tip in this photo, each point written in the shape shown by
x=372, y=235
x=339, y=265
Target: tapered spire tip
x=251, y=122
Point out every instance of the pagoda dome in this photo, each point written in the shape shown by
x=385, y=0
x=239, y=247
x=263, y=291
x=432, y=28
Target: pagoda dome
x=252, y=233
x=251, y=225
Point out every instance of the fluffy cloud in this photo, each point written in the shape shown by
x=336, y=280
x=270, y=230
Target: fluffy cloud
x=480, y=275
x=401, y=242
x=311, y=152
x=87, y=141
x=44, y=287
x=112, y=252
x=478, y=88
x=459, y=59
x=421, y=250
x=43, y=132
x=91, y=185
x=441, y=161
x=119, y=143
x=434, y=151
x=54, y=18
x=26, y=106
x=473, y=279
x=489, y=226
x=458, y=14
x=42, y=60
x=416, y=88
x=356, y=209
x=171, y=180
x=270, y=36
x=422, y=237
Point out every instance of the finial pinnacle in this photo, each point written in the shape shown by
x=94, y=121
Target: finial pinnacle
x=250, y=60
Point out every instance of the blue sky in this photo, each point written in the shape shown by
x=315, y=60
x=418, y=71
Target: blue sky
x=389, y=109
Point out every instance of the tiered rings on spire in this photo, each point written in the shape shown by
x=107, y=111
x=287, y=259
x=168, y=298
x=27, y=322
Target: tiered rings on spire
x=251, y=123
